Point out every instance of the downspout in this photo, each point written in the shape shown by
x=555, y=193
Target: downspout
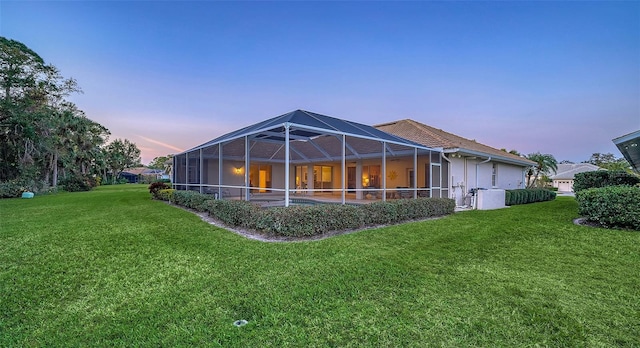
x=475, y=201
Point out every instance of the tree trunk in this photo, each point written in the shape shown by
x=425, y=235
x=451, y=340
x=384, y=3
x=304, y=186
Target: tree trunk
x=55, y=169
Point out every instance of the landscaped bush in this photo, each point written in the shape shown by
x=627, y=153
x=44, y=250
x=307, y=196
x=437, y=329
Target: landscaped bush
x=380, y=213
x=157, y=186
x=15, y=188
x=308, y=220
x=603, y=178
x=232, y=212
x=408, y=209
x=165, y=195
x=11, y=189
x=525, y=196
x=612, y=206
x=76, y=183
x=191, y=199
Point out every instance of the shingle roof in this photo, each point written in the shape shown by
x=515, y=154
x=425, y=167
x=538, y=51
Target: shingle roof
x=567, y=171
x=434, y=137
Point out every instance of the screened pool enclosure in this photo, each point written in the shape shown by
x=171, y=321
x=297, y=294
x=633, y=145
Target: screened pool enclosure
x=302, y=156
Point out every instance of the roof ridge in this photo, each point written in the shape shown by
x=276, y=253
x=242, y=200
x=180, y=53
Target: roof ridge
x=431, y=130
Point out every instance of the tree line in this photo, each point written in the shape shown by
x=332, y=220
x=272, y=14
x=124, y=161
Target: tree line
x=43, y=136
x=546, y=164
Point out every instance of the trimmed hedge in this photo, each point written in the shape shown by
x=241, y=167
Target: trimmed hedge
x=612, y=206
x=307, y=220
x=231, y=212
x=526, y=196
x=603, y=178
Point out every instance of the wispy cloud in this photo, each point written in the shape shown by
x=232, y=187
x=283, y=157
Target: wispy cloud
x=168, y=146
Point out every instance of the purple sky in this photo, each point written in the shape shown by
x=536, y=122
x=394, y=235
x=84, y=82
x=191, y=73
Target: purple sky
x=555, y=77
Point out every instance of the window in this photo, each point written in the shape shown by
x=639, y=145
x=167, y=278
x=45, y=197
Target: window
x=494, y=174
x=371, y=176
x=260, y=176
x=301, y=177
x=322, y=177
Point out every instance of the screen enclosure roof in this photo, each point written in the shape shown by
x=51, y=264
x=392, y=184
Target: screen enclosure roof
x=312, y=137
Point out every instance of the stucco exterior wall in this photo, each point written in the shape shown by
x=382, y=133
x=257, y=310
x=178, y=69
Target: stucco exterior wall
x=509, y=176
x=463, y=176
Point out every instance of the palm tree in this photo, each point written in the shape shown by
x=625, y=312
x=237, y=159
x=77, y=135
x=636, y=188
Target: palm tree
x=545, y=163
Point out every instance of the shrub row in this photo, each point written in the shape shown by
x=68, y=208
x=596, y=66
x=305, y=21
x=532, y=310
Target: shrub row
x=612, y=206
x=307, y=220
x=525, y=196
x=603, y=178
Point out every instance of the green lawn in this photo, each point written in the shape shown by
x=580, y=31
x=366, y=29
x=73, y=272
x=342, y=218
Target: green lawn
x=114, y=268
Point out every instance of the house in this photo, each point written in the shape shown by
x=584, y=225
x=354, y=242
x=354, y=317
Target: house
x=303, y=155
x=565, y=173
x=135, y=175
x=471, y=165
x=629, y=146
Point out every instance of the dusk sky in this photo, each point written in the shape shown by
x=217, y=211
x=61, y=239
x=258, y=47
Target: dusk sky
x=552, y=77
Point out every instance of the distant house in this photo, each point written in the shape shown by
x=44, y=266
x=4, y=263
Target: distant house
x=563, y=178
x=135, y=175
x=472, y=165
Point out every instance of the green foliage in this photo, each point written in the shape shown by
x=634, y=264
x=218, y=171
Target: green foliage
x=545, y=163
x=14, y=188
x=165, y=195
x=410, y=209
x=603, y=178
x=380, y=213
x=110, y=267
x=160, y=162
x=190, y=199
x=75, y=183
x=526, y=196
x=11, y=189
x=121, y=154
x=609, y=161
x=232, y=212
x=309, y=220
x=611, y=206
x=157, y=186
x=40, y=131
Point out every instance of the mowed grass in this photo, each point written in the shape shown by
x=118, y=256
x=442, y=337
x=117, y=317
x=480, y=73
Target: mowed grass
x=112, y=267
